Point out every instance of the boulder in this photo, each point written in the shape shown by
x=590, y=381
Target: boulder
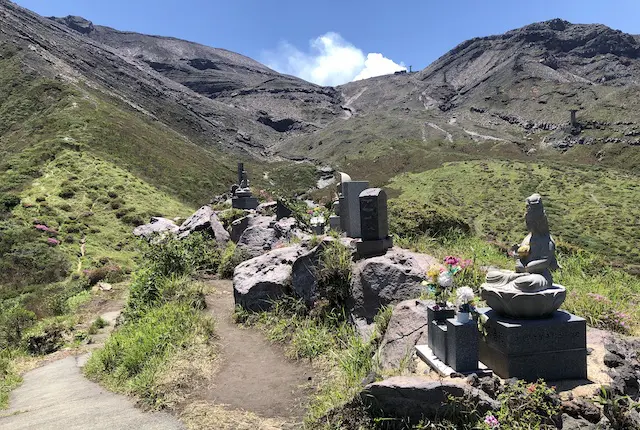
x=268, y=208
x=417, y=398
x=261, y=280
x=219, y=232
x=238, y=227
x=157, y=225
x=579, y=408
x=623, y=358
x=257, y=240
x=304, y=276
x=571, y=423
x=407, y=327
x=385, y=280
x=201, y=220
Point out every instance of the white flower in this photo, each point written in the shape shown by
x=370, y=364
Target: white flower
x=464, y=295
x=445, y=280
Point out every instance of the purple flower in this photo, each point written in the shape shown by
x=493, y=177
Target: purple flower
x=491, y=421
x=41, y=227
x=53, y=242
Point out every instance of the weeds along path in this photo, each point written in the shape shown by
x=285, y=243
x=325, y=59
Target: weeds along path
x=254, y=375
x=58, y=396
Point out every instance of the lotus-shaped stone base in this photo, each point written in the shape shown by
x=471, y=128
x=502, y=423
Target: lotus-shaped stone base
x=520, y=305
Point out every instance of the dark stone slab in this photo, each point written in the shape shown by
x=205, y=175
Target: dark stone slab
x=334, y=223
x=562, y=331
x=370, y=248
x=350, y=210
x=438, y=316
x=374, y=221
x=439, y=341
x=462, y=345
x=553, y=349
x=244, y=202
x=282, y=211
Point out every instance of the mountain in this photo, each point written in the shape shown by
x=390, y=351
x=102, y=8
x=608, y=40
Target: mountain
x=509, y=93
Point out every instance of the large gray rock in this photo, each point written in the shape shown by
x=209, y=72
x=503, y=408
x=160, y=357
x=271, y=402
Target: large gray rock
x=387, y=279
x=259, y=235
x=199, y=221
x=261, y=280
x=157, y=225
x=570, y=423
x=416, y=398
x=305, y=277
x=219, y=232
x=407, y=328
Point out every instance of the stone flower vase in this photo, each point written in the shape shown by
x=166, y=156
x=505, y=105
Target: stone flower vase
x=463, y=317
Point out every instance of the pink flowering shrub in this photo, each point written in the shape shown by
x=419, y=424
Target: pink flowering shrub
x=53, y=242
x=44, y=228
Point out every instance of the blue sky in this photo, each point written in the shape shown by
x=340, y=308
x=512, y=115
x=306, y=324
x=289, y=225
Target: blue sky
x=331, y=41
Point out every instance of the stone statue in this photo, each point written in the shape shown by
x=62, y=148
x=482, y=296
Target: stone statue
x=528, y=292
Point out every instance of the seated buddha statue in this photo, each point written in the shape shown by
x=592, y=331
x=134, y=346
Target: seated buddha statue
x=536, y=260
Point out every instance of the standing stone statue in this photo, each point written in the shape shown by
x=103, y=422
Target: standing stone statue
x=529, y=292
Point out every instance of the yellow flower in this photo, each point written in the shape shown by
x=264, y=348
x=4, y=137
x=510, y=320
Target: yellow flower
x=433, y=272
x=523, y=251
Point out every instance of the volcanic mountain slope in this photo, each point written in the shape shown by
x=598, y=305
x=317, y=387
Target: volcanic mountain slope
x=509, y=94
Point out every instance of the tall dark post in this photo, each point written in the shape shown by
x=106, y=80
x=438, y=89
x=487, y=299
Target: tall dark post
x=410, y=69
x=240, y=172
x=573, y=117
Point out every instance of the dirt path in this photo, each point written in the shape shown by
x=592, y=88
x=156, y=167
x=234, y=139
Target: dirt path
x=58, y=396
x=253, y=374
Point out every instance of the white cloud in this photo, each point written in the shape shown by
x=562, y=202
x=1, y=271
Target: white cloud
x=331, y=60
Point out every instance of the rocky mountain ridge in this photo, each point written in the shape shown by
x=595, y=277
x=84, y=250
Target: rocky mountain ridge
x=509, y=92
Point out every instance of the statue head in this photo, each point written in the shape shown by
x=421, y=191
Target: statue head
x=536, y=217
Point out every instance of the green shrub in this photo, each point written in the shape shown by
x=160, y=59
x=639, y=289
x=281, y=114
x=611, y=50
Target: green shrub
x=8, y=201
x=197, y=252
x=528, y=406
x=96, y=325
x=231, y=257
x=151, y=289
x=46, y=336
x=227, y=217
x=14, y=321
x=110, y=273
x=9, y=377
x=411, y=218
x=334, y=274
x=26, y=258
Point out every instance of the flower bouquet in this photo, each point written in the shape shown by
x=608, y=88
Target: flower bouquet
x=465, y=298
x=440, y=279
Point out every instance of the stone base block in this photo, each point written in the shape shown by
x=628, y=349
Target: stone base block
x=371, y=248
x=554, y=348
x=334, y=223
x=462, y=345
x=439, y=341
x=439, y=316
x=244, y=203
x=317, y=229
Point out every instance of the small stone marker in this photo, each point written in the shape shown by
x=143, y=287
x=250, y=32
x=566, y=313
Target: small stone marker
x=282, y=211
x=334, y=220
x=374, y=223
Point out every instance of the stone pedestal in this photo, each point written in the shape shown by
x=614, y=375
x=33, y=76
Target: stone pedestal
x=371, y=248
x=244, y=202
x=439, y=317
x=462, y=345
x=350, y=209
x=554, y=348
x=334, y=223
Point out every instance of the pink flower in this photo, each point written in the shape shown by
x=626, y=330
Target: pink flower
x=41, y=227
x=491, y=421
x=451, y=260
x=53, y=242
x=466, y=263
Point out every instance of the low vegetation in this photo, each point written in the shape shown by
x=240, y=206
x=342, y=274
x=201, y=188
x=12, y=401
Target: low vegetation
x=163, y=335
x=589, y=208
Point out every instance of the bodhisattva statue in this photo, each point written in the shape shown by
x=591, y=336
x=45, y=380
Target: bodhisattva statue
x=529, y=292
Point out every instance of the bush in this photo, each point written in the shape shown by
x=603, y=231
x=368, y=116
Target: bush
x=26, y=258
x=334, y=274
x=47, y=336
x=183, y=257
x=526, y=406
x=409, y=219
x=14, y=321
x=98, y=324
x=227, y=217
x=150, y=289
x=110, y=273
x=231, y=257
x=8, y=202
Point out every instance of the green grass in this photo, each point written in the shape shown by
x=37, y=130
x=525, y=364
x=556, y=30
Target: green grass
x=136, y=355
x=9, y=377
x=590, y=208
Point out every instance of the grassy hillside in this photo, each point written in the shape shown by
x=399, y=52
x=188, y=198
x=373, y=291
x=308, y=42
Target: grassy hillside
x=588, y=207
